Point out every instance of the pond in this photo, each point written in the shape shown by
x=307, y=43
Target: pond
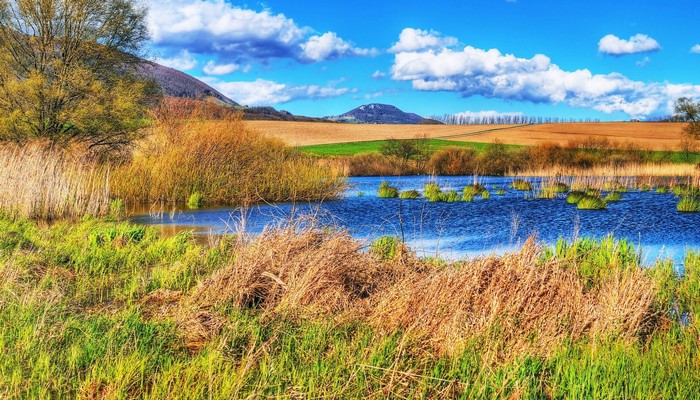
x=465, y=229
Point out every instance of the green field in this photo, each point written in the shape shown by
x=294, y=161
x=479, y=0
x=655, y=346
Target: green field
x=353, y=148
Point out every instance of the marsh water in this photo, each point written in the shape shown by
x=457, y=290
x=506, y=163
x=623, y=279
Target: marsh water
x=462, y=229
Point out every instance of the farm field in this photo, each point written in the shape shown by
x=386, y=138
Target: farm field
x=648, y=135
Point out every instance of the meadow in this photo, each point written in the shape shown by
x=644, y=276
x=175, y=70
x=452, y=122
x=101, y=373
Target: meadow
x=110, y=310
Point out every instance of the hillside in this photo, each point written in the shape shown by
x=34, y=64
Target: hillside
x=178, y=84
x=381, y=114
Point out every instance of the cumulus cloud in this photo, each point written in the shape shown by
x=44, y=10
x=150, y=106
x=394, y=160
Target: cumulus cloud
x=416, y=39
x=329, y=46
x=491, y=74
x=639, y=43
x=378, y=75
x=236, y=33
x=695, y=49
x=263, y=92
x=183, y=61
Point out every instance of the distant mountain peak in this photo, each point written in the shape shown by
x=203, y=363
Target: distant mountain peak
x=376, y=113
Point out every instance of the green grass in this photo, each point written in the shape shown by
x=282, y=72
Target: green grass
x=410, y=195
x=75, y=322
x=387, y=191
x=689, y=204
x=353, y=148
x=588, y=202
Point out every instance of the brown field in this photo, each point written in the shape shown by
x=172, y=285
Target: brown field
x=648, y=135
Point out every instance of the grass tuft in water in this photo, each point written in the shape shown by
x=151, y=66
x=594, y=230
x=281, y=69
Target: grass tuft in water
x=195, y=200
x=689, y=204
x=588, y=202
x=387, y=191
x=613, y=196
x=574, y=197
x=522, y=185
x=410, y=195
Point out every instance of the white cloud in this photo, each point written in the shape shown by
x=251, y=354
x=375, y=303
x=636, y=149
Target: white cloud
x=374, y=95
x=235, y=33
x=211, y=68
x=330, y=46
x=378, y=75
x=491, y=74
x=481, y=115
x=643, y=62
x=416, y=39
x=182, y=61
x=263, y=92
x=639, y=43
x=695, y=49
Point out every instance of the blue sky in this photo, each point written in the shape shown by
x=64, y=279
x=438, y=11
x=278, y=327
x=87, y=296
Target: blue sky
x=607, y=60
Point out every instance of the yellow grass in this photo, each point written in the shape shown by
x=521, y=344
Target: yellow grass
x=646, y=169
x=42, y=183
x=647, y=135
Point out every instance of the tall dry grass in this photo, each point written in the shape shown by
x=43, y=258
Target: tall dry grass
x=632, y=169
x=46, y=183
x=211, y=152
x=511, y=306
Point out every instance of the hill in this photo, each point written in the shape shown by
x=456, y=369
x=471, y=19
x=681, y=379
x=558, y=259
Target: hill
x=178, y=84
x=181, y=85
x=381, y=114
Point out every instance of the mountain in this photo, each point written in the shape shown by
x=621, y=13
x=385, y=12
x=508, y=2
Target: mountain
x=179, y=84
x=381, y=114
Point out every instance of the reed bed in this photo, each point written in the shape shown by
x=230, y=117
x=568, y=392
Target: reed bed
x=188, y=152
x=627, y=170
x=43, y=183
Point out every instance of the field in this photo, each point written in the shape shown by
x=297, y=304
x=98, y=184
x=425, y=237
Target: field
x=374, y=146
x=647, y=135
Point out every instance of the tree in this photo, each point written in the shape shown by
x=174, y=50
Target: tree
x=68, y=71
x=688, y=111
x=407, y=149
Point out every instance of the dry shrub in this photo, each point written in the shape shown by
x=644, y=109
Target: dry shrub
x=291, y=272
x=372, y=164
x=47, y=183
x=186, y=152
x=453, y=161
x=514, y=305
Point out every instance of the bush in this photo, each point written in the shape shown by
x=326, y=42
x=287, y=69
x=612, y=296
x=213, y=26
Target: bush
x=453, y=161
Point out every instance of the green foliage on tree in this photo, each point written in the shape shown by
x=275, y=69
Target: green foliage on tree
x=407, y=149
x=68, y=71
x=688, y=111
